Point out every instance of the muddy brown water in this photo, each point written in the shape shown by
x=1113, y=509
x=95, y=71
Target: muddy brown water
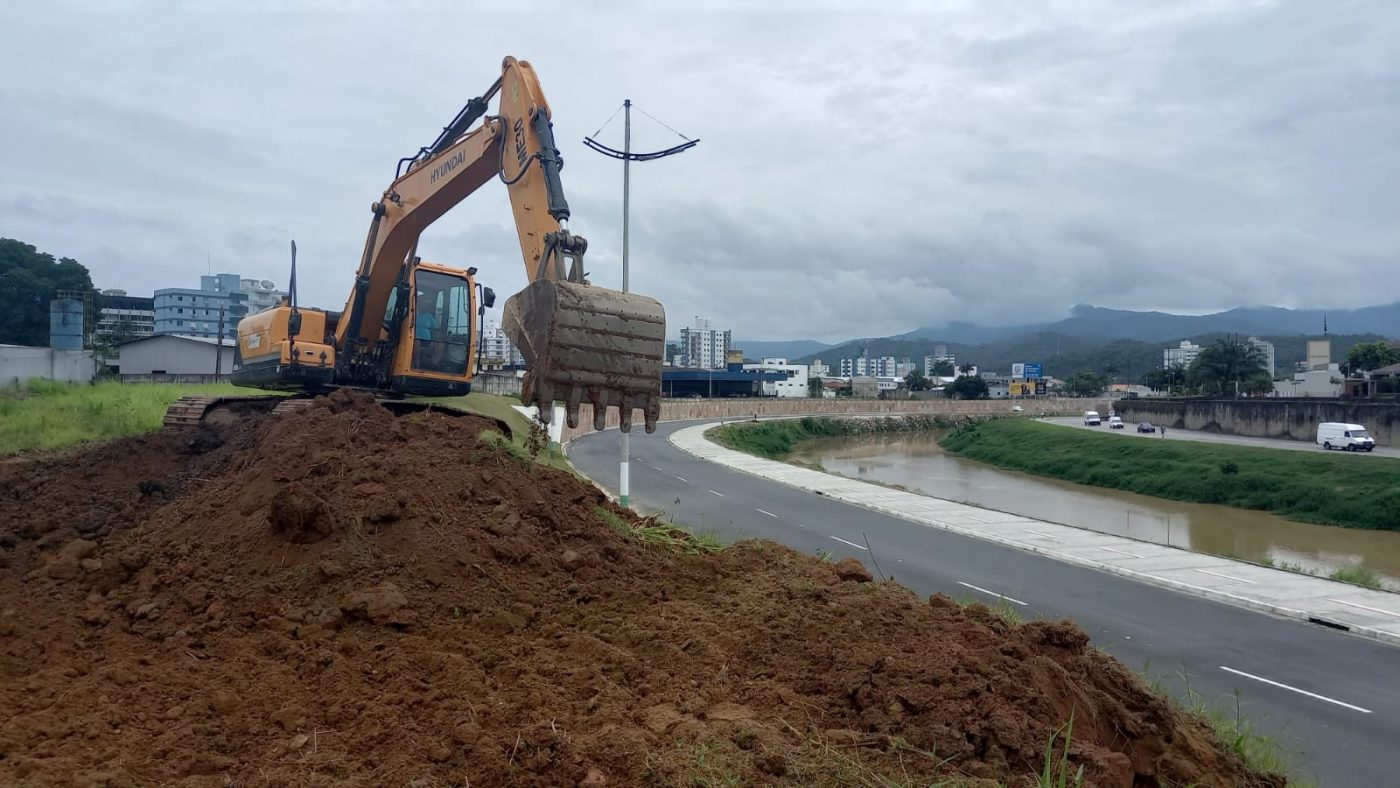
x=916, y=461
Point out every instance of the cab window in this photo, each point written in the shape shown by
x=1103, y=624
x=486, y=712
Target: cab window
x=442, y=323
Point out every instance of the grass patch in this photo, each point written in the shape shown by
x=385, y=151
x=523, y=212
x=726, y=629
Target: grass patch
x=1359, y=575
x=495, y=406
x=1352, y=491
x=777, y=438
x=45, y=415
x=666, y=535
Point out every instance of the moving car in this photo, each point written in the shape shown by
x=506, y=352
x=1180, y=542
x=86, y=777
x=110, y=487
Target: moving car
x=1146, y=426
x=1091, y=418
x=1348, y=437
x=1115, y=423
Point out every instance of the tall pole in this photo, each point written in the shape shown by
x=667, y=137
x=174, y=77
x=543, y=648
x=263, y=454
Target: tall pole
x=624, y=483
x=219, y=347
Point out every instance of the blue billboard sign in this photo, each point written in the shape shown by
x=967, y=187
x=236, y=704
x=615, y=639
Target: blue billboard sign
x=1033, y=372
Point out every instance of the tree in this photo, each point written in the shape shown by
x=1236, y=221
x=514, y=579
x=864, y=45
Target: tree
x=942, y=368
x=1223, y=367
x=814, y=386
x=1366, y=356
x=967, y=368
x=968, y=387
x=29, y=279
x=1086, y=384
x=915, y=381
x=1261, y=382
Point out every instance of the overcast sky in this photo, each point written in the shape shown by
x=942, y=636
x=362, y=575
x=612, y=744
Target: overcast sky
x=860, y=173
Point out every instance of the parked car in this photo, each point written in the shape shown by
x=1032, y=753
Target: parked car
x=1348, y=437
x=1146, y=426
x=1115, y=423
x=1091, y=418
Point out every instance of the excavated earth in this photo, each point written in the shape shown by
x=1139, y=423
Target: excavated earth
x=340, y=596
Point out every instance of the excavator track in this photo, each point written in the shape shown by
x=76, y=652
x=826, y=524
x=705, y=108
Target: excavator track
x=190, y=412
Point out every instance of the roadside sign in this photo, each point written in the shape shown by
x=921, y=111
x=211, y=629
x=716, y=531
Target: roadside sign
x=1040, y=387
x=1033, y=371
x=1018, y=370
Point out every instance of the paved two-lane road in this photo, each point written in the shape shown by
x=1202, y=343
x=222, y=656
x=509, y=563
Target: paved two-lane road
x=1130, y=430
x=1334, y=697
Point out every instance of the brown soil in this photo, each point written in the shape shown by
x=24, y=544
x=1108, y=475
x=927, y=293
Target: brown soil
x=343, y=597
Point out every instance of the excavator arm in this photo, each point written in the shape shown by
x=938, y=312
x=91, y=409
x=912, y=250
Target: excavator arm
x=580, y=342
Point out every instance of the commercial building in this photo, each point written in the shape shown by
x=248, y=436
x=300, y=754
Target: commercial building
x=1327, y=382
x=193, y=312
x=173, y=355
x=497, y=351
x=864, y=366
x=940, y=353
x=1184, y=354
x=794, y=385
x=1266, y=352
x=703, y=346
x=123, y=313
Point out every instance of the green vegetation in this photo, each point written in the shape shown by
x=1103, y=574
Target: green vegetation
x=524, y=438
x=777, y=438
x=1359, y=575
x=1310, y=487
x=47, y=415
x=667, y=535
x=30, y=280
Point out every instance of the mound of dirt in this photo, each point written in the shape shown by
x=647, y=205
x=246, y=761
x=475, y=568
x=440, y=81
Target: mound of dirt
x=340, y=596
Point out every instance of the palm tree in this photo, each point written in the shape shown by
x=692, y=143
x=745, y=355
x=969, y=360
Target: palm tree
x=1224, y=366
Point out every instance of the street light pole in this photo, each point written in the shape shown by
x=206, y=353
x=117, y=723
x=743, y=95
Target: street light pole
x=624, y=481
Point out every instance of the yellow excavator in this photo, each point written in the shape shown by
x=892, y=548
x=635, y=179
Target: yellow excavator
x=411, y=327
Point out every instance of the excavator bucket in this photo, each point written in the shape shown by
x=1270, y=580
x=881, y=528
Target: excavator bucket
x=589, y=344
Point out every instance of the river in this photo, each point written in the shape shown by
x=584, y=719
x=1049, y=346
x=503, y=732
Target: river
x=916, y=462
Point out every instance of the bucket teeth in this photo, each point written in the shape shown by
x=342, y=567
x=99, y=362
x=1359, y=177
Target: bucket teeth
x=588, y=343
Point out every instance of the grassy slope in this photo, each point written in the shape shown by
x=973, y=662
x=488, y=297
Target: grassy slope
x=774, y=439
x=1336, y=489
x=498, y=407
x=46, y=415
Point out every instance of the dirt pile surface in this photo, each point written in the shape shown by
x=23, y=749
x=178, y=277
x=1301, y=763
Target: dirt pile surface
x=345, y=597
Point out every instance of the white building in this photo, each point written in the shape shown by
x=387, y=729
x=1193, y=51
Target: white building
x=940, y=354
x=497, y=351
x=903, y=368
x=1312, y=383
x=704, y=347
x=1183, y=355
x=865, y=367
x=262, y=294
x=794, y=386
x=1266, y=352
x=818, y=369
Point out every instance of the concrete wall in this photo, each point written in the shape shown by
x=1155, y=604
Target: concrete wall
x=492, y=383
x=1294, y=419
x=19, y=365
x=680, y=410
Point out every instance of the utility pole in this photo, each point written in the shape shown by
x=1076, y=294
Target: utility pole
x=219, y=347
x=627, y=156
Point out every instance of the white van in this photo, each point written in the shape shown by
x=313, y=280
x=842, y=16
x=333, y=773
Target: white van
x=1340, y=435
x=1091, y=418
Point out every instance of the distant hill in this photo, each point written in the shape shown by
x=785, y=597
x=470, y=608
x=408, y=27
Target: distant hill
x=757, y=349
x=1093, y=321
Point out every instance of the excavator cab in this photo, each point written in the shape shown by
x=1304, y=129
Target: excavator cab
x=435, y=330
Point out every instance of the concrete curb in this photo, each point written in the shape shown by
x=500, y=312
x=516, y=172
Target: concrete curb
x=715, y=453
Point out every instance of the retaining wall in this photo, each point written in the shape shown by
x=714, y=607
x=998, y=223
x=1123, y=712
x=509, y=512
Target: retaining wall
x=20, y=364
x=1294, y=419
x=686, y=409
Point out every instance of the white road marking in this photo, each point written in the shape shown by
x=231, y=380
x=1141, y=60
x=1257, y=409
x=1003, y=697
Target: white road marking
x=1040, y=533
x=1294, y=689
x=761, y=511
x=1365, y=607
x=993, y=593
x=1227, y=577
x=1124, y=552
x=683, y=479
x=852, y=544
x=801, y=525
x=658, y=467
x=720, y=494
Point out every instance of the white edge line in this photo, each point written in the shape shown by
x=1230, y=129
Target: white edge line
x=1294, y=689
x=993, y=593
x=852, y=544
x=678, y=477
x=762, y=511
x=1227, y=577
x=1040, y=533
x=1364, y=607
x=1116, y=550
x=720, y=494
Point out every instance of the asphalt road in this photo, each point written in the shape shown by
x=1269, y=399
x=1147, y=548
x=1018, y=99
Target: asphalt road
x=1130, y=430
x=1331, y=698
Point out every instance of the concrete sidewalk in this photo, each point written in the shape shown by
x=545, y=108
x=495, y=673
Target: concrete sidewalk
x=1373, y=614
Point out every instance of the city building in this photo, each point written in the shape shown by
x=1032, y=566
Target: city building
x=864, y=366
x=1183, y=354
x=819, y=370
x=940, y=354
x=1319, y=355
x=795, y=385
x=123, y=313
x=191, y=312
x=497, y=351
x=1326, y=382
x=703, y=346
x=262, y=294
x=903, y=368
x=1266, y=352
x=180, y=310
